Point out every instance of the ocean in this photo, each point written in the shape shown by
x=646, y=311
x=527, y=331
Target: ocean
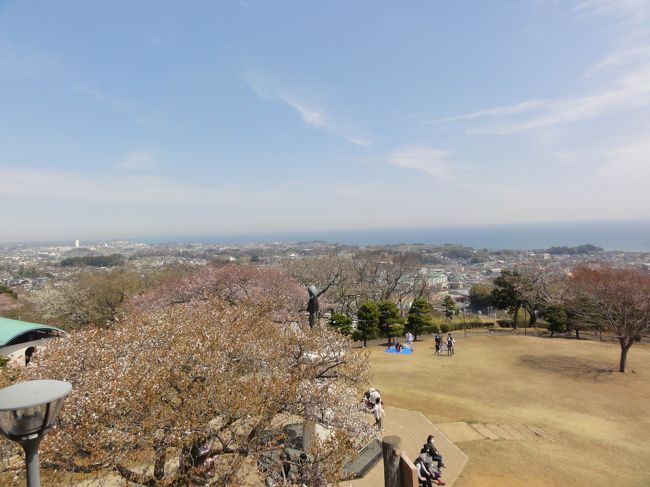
x=626, y=235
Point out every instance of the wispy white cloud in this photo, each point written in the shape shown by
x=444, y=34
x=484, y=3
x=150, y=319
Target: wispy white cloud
x=630, y=11
x=358, y=141
x=445, y=171
x=432, y=161
x=629, y=22
x=310, y=115
x=500, y=111
x=310, y=112
x=630, y=55
x=631, y=91
x=137, y=160
x=628, y=60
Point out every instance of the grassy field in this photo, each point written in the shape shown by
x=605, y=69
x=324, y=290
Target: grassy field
x=599, y=418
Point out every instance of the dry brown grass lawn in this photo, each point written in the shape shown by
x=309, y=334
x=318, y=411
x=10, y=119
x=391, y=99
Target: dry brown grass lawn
x=599, y=418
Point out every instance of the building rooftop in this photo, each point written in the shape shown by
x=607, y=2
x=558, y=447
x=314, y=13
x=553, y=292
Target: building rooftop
x=16, y=331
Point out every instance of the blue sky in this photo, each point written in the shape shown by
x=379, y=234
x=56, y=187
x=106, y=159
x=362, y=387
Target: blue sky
x=141, y=119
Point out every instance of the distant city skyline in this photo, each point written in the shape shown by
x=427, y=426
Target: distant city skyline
x=151, y=119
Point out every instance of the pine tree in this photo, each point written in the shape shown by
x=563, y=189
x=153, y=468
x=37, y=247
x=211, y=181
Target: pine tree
x=390, y=320
x=368, y=322
x=419, y=317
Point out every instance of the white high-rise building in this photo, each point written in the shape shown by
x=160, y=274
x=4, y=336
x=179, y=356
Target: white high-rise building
x=76, y=243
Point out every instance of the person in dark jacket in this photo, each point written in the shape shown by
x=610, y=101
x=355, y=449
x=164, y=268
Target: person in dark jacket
x=433, y=452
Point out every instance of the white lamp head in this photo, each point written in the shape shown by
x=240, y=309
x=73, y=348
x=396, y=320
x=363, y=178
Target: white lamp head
x=28, y=409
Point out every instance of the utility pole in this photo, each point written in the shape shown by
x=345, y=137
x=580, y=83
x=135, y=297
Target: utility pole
x=464, y=324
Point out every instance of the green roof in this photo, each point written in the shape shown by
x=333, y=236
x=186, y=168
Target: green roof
x=10, y=329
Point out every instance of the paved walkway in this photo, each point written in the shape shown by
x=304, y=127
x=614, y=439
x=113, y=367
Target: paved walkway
x=413, y=428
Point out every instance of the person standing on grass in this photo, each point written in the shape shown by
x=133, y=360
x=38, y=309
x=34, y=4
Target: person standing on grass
x=438, y=340
x=409, y=340
x=451, y=343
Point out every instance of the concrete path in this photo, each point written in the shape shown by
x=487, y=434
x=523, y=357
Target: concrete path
x=461, y=431
x=413, y=428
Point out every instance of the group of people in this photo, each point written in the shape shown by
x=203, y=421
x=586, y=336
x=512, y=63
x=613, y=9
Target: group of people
x=442, y=344
x=429, y=463
x=372, y=402
x=429, y=474
x=409, y=342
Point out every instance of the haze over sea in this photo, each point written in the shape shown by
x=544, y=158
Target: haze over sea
x=627, y=235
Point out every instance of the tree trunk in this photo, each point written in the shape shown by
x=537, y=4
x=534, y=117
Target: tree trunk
x=532, y=319
x=516, y=320
x=625, y=347
x=552, y=333
x=391, y=449
x=577, y=330
x=365, y=340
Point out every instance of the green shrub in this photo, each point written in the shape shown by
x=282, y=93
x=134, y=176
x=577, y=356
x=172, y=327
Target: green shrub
x=430, y=330
x=339, y=320
x=346, y=330
x=473, y=324
x=357, y=335
x=444, y=327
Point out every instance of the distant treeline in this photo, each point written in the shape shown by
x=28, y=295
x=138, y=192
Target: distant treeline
x=580, y=249
x=94, y=261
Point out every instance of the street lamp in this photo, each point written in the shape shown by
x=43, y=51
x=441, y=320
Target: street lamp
x=27, y=411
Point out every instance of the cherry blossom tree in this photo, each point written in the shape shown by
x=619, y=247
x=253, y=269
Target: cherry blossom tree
x=268, y=289
x=91, y=298
x=198, y=381
x=615, y=299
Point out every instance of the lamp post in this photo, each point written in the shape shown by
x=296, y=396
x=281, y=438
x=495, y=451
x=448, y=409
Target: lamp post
x=27, y=411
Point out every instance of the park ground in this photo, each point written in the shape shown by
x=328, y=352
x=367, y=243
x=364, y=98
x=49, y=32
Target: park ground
x=593, y=422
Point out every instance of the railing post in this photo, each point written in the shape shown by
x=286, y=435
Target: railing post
x=391, y=451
